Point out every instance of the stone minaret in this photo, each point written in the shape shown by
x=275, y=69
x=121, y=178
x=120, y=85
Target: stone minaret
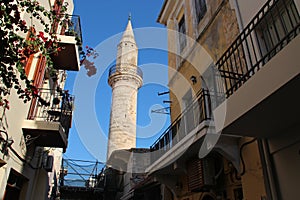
x=125, y=78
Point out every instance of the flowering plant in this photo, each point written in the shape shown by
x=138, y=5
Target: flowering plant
x=89, y=66
x=15, y=49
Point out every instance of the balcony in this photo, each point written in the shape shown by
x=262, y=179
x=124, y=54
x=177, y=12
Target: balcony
x=48, y=125
x=260, y=74
x=125, y=69
x=69, y=34
x=186, y=132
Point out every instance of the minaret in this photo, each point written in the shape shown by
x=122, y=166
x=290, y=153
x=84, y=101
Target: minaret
x=125, y=78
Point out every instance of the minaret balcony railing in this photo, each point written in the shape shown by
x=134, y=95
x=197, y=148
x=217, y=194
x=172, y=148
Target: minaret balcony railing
x=125, y=69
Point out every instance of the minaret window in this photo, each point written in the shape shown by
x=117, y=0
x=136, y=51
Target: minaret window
x=201, y=9
x=182, y=33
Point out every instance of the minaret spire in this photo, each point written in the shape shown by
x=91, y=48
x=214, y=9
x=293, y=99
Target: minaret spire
x=127, y=48
x=128, y=35
x=129, y=16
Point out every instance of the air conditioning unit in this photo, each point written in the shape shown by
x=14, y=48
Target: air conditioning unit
x=201, y=174
x=48, y=163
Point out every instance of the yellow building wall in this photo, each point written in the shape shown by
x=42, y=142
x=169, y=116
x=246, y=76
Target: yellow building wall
x=207, y=41
x=252, y=180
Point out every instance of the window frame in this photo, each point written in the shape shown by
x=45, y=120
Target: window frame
x=200, y=9
x=276, y=25
x=182, y=31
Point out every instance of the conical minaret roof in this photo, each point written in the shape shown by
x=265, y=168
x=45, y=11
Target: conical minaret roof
x=128, y=35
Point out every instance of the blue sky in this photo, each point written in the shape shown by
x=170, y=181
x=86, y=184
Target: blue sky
x=102, y=25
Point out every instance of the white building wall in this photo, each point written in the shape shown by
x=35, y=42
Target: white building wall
x=39, y=181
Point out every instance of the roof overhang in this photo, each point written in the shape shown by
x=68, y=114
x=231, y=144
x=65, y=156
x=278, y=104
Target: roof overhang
x=165, y=12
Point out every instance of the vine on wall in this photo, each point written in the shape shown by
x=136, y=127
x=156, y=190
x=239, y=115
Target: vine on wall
x=15, y=50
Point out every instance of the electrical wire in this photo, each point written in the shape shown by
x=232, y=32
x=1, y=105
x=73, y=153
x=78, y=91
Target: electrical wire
x=16, y=153
x=241, y=155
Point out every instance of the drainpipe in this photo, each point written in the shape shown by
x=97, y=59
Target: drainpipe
x=268, y=169
x=238, y=14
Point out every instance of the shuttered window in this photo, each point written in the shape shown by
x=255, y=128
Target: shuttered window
x=201, y=9
x=38, y=83
x=28, y=61
x=182, y=33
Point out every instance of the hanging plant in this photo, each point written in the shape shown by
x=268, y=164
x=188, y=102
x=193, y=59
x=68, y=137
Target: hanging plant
x=15, y=50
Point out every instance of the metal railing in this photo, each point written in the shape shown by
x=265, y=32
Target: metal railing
x=80, y=173
x=70, y=26
x=57, y=107
x=126, y=68
x=272, y=28
x=198, y=111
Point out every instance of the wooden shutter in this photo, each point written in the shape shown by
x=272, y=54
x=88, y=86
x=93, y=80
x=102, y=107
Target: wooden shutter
x=201, y=173
x=28, y=61
x=39, y=72
x=56, y=8
x=38, y=83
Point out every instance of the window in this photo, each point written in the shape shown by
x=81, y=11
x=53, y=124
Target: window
x=14, y=185
x=39, y=72
x=201, y=9
x=27, y=53
x=279, y=21
x=182, y=33
x=38, y=83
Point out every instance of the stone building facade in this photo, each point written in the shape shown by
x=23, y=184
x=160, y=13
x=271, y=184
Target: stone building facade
x=234, y=110
x=225, y=88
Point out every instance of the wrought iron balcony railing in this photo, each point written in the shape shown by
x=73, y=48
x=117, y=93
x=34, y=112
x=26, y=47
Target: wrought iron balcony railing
x=273, y=27
x=198, y=111
x=70, y=26
x=60, y=108
x=126, y=68
x=68, y=30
